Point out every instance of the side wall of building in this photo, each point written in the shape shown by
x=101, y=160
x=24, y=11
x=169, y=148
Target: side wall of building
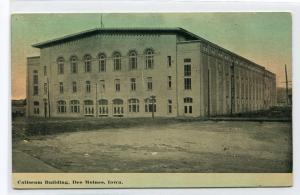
x=33, y=87
x=233, y=84
x=189, y=56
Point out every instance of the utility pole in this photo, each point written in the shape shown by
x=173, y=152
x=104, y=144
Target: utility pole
x=48, y=94
x=96, y=103
x=152, y=98
x=286, y=86
x=101, y=23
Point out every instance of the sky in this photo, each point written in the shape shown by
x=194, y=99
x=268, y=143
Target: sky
x=264, y=38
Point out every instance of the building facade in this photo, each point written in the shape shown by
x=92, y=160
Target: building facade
x=140, y=72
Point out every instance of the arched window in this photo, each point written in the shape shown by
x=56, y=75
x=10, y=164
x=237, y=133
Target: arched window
x=118, y=107
x=60, y=65
x=103, y=107
x=87, y=63
x=132, y=60
x=74, y=64
x=150, y=105
x=188, y=105
x=133, y=105
x=149, y=58
x=117, y=61
x=61, y=106
x=102, y=62
x=75, y=106
x=88, y=108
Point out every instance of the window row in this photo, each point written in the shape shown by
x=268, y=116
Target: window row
x=117, y=85
x=102, y=60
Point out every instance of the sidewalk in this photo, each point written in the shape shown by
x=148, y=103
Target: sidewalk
x=24, y=163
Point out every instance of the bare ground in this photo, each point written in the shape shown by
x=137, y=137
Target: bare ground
x=195, y=146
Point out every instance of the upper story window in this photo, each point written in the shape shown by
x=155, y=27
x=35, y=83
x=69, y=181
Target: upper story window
x=149, y=83
x=169, y=61
x=74, y=64
x=45, y=88
x=61, y=87
x=149, y=59
x=88, y=86
x=102, y=62
x=117, y=61
x=45, y=70
x=35, y=82
x=187, y=70
x=87, y=63
x=169, y=82
x=133, y=84
x=60, y=65
x=74, y=86
x=117, y=84
x=187, y=60
x=188, y=100
x=132, y=60
x=102, y=86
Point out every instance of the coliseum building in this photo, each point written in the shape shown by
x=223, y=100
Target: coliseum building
x=138, y=72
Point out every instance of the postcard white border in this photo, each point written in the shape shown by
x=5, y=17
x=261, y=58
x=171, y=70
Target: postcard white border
x=87, y=6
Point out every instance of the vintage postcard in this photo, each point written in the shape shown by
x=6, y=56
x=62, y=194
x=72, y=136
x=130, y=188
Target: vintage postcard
x=146, y=100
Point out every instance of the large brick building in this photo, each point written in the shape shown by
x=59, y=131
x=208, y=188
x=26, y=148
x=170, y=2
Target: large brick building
x=116, y=72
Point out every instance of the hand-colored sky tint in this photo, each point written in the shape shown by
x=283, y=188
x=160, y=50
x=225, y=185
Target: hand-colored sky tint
x=265, y=38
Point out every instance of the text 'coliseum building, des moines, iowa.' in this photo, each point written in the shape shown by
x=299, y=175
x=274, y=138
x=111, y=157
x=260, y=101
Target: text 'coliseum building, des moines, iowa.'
x=134, y=72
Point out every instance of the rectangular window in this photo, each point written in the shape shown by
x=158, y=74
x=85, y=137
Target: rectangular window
x=187, y=70
x=149, y=83
x=74, y=87
x=45, y=88
x=169, y=61
x=169, y=82
x=133, y=84
x=35, y=90
x=88, y=86
x=169, y=106
x=35, y=83
x=102, y=85
x=35, y=79
x=61, y=87
x=45, y=70
x=188, y=60
x=117, y=84
x=187, y=83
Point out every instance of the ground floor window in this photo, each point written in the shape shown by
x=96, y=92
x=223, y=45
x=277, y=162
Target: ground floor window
x=36, y=107
x=169, y=106
x=103, y=107
x=133, y=105
x=188, y=105
x=150, y=105
x=118, y=109
x=75, y=106
x=61, y=106
x=88, y=107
